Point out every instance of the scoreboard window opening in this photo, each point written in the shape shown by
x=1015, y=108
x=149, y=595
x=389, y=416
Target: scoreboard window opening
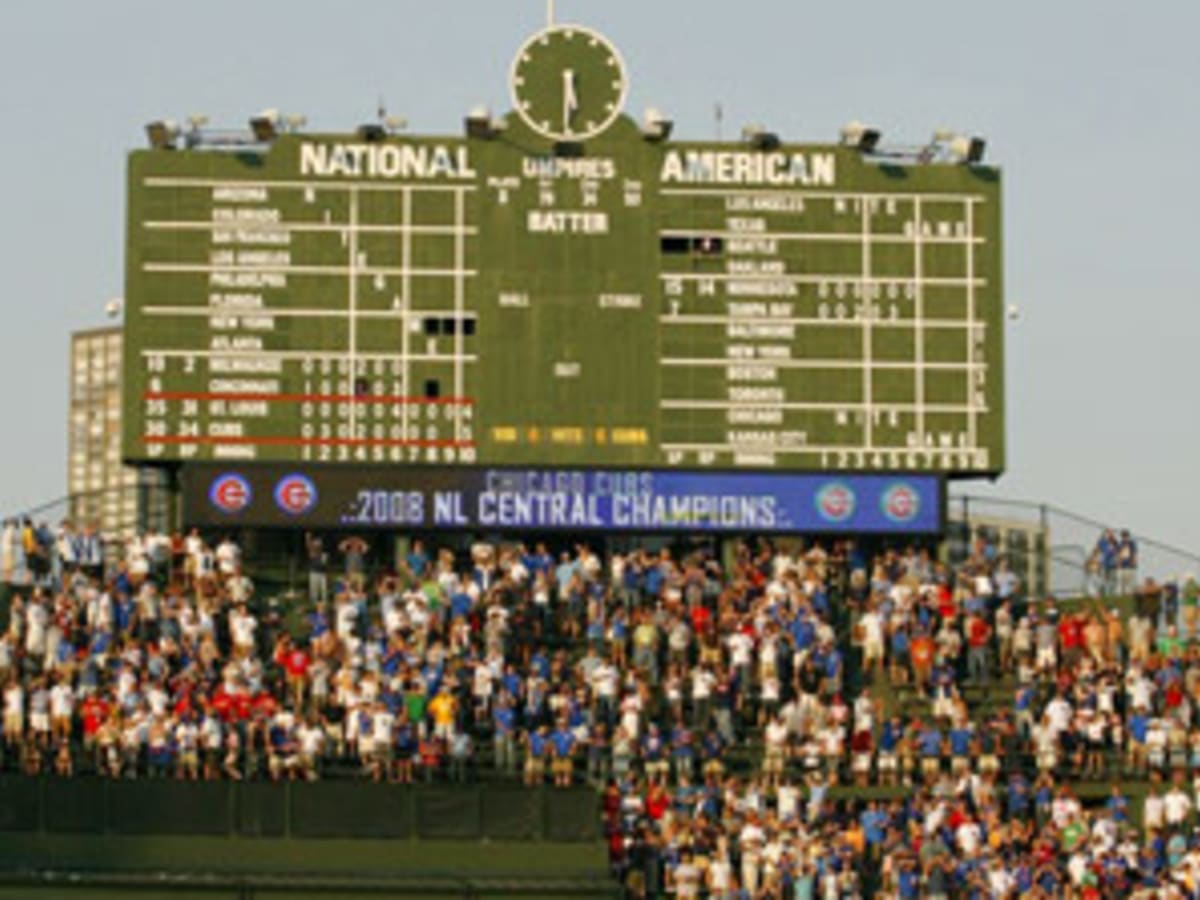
x=433, y=389
x=448, y=327
x=684, y=245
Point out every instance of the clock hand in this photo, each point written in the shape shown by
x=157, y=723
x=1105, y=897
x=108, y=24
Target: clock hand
x=570, y=99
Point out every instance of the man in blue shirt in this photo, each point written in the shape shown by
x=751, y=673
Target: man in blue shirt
x=1127, y=562
x=563, y=743
x=504, y=720
x=683, y=751
x=1106, y=550
x=960, y=748
x=874, y=820
x=1018, y=796
x=929, y=740
x=538, y=744
x=1139, y=725
x=417, y=559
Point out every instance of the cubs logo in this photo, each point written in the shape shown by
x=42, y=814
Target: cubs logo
x=295, y=494
x=836, y=502
x=230, y=493
x=900, y=503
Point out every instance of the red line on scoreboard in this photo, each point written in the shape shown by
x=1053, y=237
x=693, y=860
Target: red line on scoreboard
x=301, y=442
x=391, y=399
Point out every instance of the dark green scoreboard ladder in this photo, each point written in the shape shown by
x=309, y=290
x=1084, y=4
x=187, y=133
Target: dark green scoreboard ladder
x=564, y=288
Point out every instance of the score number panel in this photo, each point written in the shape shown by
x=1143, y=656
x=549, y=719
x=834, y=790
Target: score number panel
x=824, y=330
x=322, y=322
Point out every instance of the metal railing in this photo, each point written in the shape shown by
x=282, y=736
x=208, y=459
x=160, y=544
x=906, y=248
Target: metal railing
x=1055, y=545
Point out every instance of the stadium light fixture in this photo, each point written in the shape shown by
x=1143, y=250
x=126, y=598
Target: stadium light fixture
x=759, y=138
x=656, y=127
x=294, y=123
x=861, y=137
x=162, y=134
x=265, y=126
x=969, y=150
x=374, y=132
x=948, y=146
x=194, y=136
x=480, y=124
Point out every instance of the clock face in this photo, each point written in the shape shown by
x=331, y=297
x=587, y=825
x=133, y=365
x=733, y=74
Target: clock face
x=568, y=83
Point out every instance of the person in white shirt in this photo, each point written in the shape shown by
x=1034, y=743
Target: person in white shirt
x=1045, y=743
x=14, y=713
x=36, y=618
x=229, y=557
x=383, y=724
x=212, y=739
x=1153, y=811
x=787, y=801
x=775, y=736
x=311, y=738
x=719, y=877
x=1001, y=881
x=751, y=840
x=242, y=626
x=685, y=878
x=703, y=682
x=740, y=647
x=871, y=629
x=187, y=739
x=10, y=552
x=62, y=704
x=969, y=836
x=604, y=686
x=1060, y=712
x=1176, y=806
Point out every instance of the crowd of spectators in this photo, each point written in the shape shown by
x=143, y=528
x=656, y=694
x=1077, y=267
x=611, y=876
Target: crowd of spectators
x=731, y=710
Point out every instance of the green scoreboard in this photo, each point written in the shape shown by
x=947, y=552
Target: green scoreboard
x=563, y=287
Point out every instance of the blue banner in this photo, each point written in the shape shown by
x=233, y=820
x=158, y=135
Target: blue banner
x=509, y=499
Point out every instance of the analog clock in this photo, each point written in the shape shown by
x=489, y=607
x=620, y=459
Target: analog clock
x=568, y=83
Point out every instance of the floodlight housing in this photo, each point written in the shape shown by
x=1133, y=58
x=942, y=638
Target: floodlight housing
x=862, y=138
x=971, y=150
x=479, y=123
x=758, y=137
x=656, y=127
x=162, y=134
x=265, y=125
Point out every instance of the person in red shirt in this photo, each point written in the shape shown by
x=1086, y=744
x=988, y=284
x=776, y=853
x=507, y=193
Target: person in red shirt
x=979, y=636
x=94, y=711
x=222, y=704
x=295, y=665
x=921, y=652
x=947, y=607
x=1070, y=636
x=657, y=801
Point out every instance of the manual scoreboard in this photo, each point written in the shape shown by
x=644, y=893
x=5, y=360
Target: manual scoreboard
x=563, y=287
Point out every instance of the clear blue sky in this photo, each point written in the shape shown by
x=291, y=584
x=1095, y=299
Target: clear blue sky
x=1090, y=107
